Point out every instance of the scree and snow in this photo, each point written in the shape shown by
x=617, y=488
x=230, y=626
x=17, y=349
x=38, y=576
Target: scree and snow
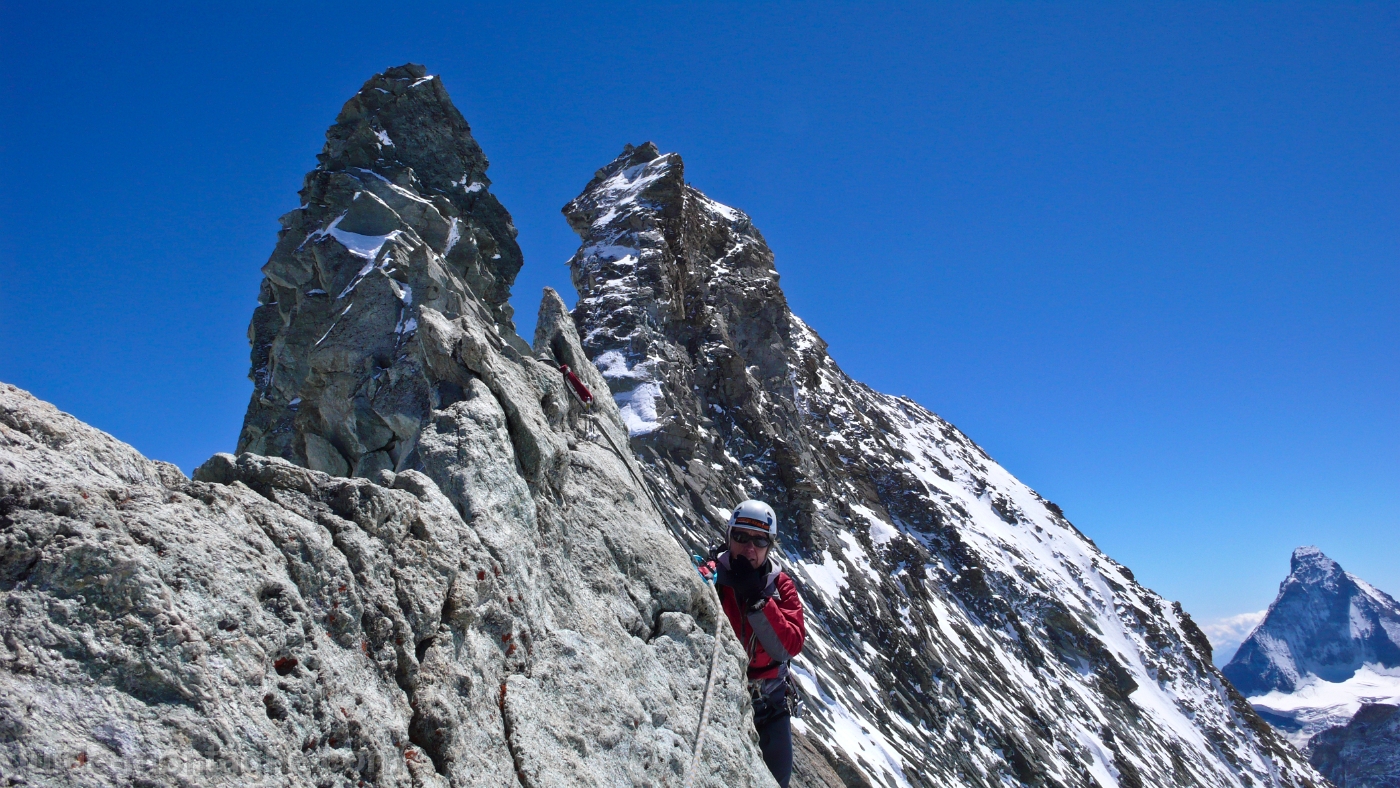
x=1316, y=705
x=637, y=403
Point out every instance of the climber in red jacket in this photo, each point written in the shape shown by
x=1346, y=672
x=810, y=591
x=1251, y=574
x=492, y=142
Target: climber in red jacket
x=762, y=604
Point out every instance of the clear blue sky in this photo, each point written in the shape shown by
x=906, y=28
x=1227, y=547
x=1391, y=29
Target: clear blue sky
x=1147, y=255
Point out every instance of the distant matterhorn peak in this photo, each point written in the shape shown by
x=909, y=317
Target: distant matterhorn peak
x=1329, y=645
x=654, y=273
x=1325, y=623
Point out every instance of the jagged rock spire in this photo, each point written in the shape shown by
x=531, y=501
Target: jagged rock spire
x=681, y=310
x=396, y=218
x=403, y=126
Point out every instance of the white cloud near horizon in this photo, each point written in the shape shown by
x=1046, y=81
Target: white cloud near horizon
x=1226, y=634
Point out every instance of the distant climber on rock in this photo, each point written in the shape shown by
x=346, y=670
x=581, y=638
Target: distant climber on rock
x=762, y=604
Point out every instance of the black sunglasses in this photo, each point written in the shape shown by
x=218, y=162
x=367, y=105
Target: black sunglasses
x=744, y=537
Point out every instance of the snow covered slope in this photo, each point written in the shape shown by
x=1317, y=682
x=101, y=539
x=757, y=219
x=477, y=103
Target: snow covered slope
x=1328, y=647
x=1315, y=705
x=963, y=632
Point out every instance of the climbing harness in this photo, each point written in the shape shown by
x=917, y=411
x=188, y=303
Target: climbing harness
x=692, y=770
x=762, y=692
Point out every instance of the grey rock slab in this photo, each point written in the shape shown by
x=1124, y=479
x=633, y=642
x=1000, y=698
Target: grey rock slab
x=368, y=215
x=267, y=624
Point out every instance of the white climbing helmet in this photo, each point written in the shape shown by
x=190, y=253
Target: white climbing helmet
x=755, y=516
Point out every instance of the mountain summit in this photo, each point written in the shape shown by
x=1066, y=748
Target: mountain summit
x=1324, y=668
x=1325, y=623
x=961, y=630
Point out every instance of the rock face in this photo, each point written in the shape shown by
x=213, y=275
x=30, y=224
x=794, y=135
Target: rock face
x=397, y=217
x=1328, y=648
x=1362, y=753
x=443, y=575
x=962, y=631
x=267, y=624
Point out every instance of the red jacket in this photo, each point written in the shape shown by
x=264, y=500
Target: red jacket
x=774, y=632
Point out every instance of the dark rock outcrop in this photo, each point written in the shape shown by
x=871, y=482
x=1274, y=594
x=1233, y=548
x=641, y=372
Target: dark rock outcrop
x=1362, y=753
x=962, y=631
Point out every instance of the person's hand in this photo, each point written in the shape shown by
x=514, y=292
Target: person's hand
x=745, y=579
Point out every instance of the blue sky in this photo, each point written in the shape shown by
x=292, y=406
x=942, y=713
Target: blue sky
x=1147, y=255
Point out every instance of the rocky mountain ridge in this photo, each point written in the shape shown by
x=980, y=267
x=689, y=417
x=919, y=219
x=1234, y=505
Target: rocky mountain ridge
x=963, y=632
x=490, y=600
x=430, y=564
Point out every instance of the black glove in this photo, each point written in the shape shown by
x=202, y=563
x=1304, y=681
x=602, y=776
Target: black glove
x=746, y=579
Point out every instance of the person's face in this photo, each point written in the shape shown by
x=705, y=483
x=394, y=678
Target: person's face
x=750, y=550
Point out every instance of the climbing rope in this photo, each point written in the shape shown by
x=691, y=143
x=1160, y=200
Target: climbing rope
x=704, y=709
x=585, y=398
x=598, y=426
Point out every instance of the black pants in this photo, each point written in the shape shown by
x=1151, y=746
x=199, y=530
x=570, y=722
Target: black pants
x=775, y=739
